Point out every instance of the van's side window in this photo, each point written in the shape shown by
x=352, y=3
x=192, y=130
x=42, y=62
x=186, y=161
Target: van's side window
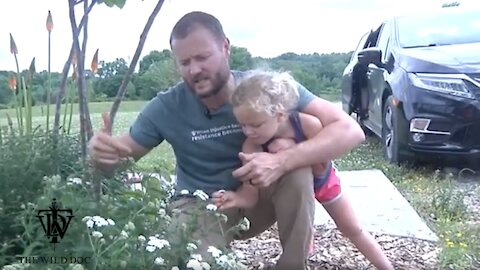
x=384, y=39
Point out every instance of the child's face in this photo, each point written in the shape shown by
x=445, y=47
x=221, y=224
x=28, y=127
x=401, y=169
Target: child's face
x=257, y=126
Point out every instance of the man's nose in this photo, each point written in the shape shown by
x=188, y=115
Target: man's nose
x=195, y=68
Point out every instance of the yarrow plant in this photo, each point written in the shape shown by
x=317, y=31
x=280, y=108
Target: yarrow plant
x=129, y=229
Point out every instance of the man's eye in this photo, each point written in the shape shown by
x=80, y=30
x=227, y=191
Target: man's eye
x=202, y=57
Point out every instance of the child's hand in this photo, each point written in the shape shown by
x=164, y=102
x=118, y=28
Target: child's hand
x=280, y=144
x=229, y=199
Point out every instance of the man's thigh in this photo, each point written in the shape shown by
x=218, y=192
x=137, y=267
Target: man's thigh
x=191, y=220
x=281, y=195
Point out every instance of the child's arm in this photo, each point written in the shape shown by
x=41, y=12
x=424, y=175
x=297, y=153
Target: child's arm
x=246, y=196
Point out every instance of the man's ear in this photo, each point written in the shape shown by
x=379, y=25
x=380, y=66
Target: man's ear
x=226, y=46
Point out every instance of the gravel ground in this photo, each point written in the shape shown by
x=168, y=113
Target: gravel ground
x=468, y=182
x=334, y=252
x=472, y=199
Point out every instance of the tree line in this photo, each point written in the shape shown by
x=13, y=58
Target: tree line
x=321, y=73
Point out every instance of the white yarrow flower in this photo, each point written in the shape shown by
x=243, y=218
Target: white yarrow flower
x=157, y=243
x=97, y=221
x=194, y=264
x=129, y=226
x=211, y=207
x=142, y=239
x=123, y=235
x=201, y=194
x=214, y=251
x=110, y=222
x=245, y=224
x=205, y=265
x=159, y=261
x=191, y=247
x=97, y=234
x=74, y=180
x=90, y=223
x=197, y=257
x=222, y=260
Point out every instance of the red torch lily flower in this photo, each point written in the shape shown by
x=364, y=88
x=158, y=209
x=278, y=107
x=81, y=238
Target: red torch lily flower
x=94, y=65
x=13, y=46
x=49, y=22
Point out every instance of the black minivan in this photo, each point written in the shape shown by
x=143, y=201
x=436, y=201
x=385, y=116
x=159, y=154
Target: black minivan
x=415, y=82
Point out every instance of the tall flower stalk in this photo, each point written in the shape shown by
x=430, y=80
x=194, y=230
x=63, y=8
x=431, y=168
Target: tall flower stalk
x=14, y=51
x=29, y=99
x=49, y=25
x=12, y=84
x=69, y=100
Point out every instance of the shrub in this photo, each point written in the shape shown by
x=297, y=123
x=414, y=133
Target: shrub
x=125, y=229
x=24, y=161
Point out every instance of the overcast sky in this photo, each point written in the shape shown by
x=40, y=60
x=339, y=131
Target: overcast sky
x=267, y=28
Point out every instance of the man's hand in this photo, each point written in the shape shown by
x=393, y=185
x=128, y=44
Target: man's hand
x=280, y=144
x=260, y=169
x=104, y=149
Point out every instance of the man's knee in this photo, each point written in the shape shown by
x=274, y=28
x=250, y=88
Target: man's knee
x=189, y=215
x=299, y=181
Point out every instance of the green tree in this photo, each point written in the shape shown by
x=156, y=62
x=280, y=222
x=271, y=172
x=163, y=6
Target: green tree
x=158, y=77
x=451, y=4
x=110, y=77
x=240, y=58
x=153, y=57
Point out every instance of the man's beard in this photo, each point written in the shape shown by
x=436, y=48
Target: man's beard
x=218, y=82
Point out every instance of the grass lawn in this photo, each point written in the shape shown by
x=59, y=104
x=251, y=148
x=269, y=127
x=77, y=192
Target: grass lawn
x=441, y=205
x=94, y=107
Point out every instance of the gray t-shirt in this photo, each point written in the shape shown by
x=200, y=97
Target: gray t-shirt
x=206, y=145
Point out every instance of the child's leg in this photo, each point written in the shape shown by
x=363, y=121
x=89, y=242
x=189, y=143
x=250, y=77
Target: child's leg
x=340, y=209
x=347, y=222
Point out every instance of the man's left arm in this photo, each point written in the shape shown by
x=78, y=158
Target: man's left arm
x=340, y=134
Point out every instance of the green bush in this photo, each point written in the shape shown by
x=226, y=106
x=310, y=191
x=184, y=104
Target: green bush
x=24, y=161
x=122, y=228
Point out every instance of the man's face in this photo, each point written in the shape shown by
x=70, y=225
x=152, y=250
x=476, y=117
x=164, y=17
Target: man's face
x=202, y=61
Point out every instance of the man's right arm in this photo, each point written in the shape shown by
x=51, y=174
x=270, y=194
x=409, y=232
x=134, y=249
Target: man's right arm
x=107, y=151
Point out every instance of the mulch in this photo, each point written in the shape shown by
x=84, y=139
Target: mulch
x=335, y=252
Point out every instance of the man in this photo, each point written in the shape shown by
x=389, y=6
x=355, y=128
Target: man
x=196, y=118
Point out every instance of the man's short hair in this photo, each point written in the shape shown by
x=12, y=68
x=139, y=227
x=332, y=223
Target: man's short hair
x=190, y=21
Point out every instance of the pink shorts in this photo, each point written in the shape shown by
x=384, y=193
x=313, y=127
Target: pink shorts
x=331, y=190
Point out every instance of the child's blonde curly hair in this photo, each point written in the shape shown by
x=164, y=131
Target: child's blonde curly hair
x=269, y=92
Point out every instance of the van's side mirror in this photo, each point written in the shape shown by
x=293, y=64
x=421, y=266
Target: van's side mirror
x=370, y=56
